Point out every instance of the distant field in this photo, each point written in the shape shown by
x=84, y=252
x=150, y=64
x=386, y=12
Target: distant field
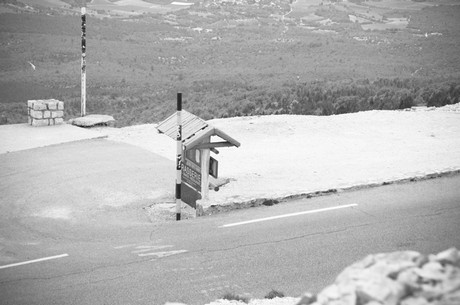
x=302, y=8
x=400, y=4
x=127, y=3
x=305, y=3
x=135, y=6
x=225, y=67
x=46, y=3
x=128, y=7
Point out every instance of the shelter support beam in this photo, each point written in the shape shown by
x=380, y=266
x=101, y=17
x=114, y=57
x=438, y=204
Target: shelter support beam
x=205, y=154
x=213, y=145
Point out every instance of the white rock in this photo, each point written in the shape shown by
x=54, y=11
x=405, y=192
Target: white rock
x=451, y=256
x=415, y=301
x=410, y=278
x=432, y=271
x=380, y=289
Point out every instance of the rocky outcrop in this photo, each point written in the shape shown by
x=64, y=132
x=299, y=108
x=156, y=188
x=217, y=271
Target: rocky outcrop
x=398, y=278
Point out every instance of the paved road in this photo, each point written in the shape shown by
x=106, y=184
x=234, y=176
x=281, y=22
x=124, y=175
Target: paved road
x=52, y=192
x=196, y=261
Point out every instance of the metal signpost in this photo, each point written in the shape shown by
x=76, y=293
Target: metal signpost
x=83, y=59
x=179, y=157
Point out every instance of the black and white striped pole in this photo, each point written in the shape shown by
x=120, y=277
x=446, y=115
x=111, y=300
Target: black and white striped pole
x=179, y=157
x=83, y=59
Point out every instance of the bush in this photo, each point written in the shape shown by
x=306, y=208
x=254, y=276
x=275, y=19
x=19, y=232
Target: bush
x=274, y=294
x=232, y=296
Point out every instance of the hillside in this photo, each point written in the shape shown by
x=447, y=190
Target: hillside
x=230, y=59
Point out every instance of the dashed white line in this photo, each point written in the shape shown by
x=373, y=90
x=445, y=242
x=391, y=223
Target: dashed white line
x=288, y=215
x=34, y=261
x=163, y=254
x=152, y=248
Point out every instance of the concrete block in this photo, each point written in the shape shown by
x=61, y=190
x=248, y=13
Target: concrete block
x=60, y=105
x=36, y=114
x=39, y=105
x=57, y=114
x=29, y=120
x=30, y=103
x=92, y=120
x=38, y=123
x=46, y=114
x=52, y=104
x=58, y=121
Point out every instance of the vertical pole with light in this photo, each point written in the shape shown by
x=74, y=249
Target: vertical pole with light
x=179, y=157
x=83, y=59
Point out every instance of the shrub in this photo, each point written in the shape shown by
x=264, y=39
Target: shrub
x=232, y=296
x=274, y=294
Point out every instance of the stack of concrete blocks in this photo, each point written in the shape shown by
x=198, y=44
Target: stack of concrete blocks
x=45, y=112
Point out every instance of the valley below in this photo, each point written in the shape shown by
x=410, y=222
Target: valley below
x=229, y=58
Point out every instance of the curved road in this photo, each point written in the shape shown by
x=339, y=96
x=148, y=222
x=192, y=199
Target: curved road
x=196, y=261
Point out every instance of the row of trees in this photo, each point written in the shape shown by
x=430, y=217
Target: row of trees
x=226, y=99
x=322, y=98
x=316, y=98
x=219, y=99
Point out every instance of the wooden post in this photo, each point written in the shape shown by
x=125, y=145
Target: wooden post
x=179, y=157
x=205, y=154
x=83, y=59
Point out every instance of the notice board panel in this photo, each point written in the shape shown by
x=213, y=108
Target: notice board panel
x=189, y=195
x=191, y=174
x=191, y=180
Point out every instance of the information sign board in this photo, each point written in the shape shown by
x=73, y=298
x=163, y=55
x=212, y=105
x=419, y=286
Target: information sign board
x=191, y=174
x=191, y=178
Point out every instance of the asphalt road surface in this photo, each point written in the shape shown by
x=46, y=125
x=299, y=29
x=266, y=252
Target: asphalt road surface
x=73, y=261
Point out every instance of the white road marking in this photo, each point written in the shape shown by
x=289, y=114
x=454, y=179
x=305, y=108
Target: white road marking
x=288, y=215
x=152, y=248
x=163, y=254
x=141, y=250
x=33, y=261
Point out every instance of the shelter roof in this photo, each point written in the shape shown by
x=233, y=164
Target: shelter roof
x=194, y=131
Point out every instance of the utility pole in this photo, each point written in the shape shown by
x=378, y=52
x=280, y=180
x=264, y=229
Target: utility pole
x=83, y=59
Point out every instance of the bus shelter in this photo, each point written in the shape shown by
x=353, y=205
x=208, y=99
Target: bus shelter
x=199, y=168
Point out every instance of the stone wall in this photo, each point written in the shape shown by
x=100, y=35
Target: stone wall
x=45, y=112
